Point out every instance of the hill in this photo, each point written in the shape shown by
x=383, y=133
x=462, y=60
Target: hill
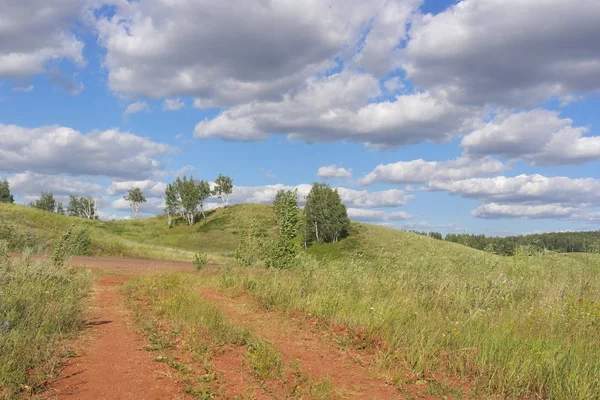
x=217, y=235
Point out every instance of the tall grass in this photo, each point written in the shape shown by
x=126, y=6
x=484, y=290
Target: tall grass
x=519, y=326
x=40, y=305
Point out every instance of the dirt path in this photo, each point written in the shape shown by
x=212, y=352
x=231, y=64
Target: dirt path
x=112, y=364
x=319, y=357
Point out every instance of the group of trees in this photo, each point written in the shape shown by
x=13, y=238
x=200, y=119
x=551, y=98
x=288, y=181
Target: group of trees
x=185, y=197
x=324, y=220
x=561, y=242
x=83, y=207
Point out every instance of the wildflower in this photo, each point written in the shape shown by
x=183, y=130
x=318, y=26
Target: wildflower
x=6, y=324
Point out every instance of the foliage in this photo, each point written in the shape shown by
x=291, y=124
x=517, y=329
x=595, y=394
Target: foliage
x=200, y=261
x=59, y=208
x=45, y=202
x=136, y=198
x=172, y=204
x=223, y=188
x=562, y=242
x=185, y=196
x=250, y=248
x=72, y=244
x=41, y=305
x=281, y=252
x=325, y=214
x=82, y=207
x=5, y=195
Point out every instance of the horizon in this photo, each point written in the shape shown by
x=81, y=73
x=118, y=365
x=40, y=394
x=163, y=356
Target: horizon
x=474, y=116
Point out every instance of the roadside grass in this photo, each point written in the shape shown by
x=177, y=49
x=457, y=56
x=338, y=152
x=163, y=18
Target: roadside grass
x=513, y=326
x=40, y=306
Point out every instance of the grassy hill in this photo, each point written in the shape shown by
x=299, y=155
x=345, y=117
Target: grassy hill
x=217, y=235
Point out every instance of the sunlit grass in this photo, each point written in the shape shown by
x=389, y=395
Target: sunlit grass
x=40, y=305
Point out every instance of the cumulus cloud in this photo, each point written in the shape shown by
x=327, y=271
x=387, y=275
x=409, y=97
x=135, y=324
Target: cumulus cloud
x=173, y=104
x=424, y=225
x=62, y=150
x=32, y=184
x=464, y=50
x=420, y=171
x=525, y=189
x=360, y=214
x=350, y=197
x=333, y=171
x=36, y=32
x=149, y=188
x=222, y=54
x=537, y=136
x=136, y=107
x=153, y=205
x=337, y=108
x=543, y=211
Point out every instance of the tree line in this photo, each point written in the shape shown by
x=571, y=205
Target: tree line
x=561, y=242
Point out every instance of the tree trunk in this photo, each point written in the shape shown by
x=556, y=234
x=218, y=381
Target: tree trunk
x=317, y=231
x=170, y=221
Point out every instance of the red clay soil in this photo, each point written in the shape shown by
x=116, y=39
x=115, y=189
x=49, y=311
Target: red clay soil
x=319, y=358
x=130, y=265
x=112, y=364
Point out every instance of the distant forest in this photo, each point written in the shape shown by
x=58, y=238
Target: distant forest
x=561, y=242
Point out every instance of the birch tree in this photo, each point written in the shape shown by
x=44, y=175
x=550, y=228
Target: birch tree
x=172, y=203
x=223, y=188
x=188, y=192
x=204, y=193
x=5, y=195
x=325, y=214
x=136, y=198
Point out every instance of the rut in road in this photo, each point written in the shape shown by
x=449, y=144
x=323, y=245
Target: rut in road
x=112, y=363
x=319, y=357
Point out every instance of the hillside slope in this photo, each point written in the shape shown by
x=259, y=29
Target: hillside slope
x=217, y=235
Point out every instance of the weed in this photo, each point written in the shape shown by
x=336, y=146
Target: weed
x=200, y=261
x=264, y=360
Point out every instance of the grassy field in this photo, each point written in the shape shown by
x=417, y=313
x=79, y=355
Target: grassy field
x=513, y=327
x=40, y=306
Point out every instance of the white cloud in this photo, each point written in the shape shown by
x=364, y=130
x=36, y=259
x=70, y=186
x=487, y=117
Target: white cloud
x=333, y=171
x=23, y=89
x=62, y=150
x=537, y=136
x=420, y=171
x=525, y=189
x=36, y=32
x=136, y=107
x=32, y=184
x=222, y=54
x=377, y=215
x=336, y=108
x=510, y=52
x=543, y=211
x=173, y=104
x=350, y=197
x=424, y=225
x=153, y=205
x=149, y=188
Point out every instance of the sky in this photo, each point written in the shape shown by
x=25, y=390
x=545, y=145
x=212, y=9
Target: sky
x=476, y=116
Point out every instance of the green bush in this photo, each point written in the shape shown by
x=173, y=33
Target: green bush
x=200, y=261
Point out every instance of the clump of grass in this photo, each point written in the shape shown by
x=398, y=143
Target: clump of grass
x=264, y=360
x=200, y=261
x=514, y=326
x=40, y=305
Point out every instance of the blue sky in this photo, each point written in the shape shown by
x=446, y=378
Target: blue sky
x=476, y=115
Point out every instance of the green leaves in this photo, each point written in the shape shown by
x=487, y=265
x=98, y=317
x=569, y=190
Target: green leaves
x=5, y=195
x=326, y=217
x=223, y=188
x=135, y=197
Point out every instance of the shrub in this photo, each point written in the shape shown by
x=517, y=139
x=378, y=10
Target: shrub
x=200, y=261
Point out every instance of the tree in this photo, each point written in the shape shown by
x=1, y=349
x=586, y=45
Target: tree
x=5, y=195
x=283, y=251
x=325, y=214
x=59, y=208
x=135, y=197
x=223, y=188
x=172, y=203
x=83, y=207
x=188, y=192
x=46, y=202
x=204, y=193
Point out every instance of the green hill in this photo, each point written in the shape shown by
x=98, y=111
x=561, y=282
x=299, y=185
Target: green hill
x=217, y=235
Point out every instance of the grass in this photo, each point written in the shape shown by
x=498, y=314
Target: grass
x=40, y=306
x=514, y=327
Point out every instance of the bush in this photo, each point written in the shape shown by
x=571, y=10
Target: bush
x=200, y=261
